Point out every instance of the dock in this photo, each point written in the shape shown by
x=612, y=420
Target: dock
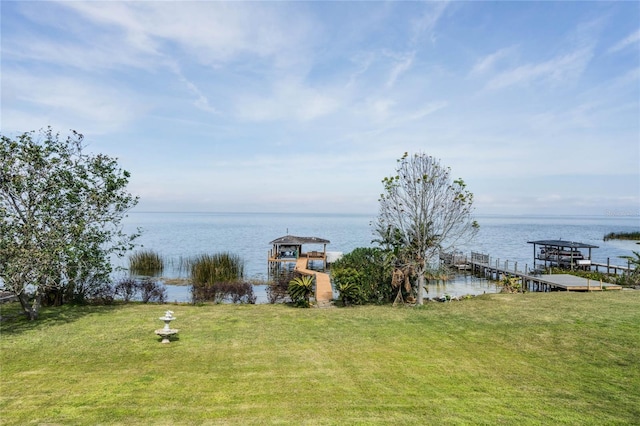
x=532, y=280
x=324, y=291
x=288, y=250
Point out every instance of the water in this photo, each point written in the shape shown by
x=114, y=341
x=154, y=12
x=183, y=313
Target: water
x=179, y=236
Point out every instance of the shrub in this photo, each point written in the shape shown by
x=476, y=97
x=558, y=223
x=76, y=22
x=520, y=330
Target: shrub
x=301, y=289
x=146, y=263
x=148, y=290
x=347, y=283
x=278, y=288
x=126, y=289
x=225, y=291
x=373, y=278
x=152, y=291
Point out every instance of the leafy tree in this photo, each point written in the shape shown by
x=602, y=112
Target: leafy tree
x=422, y=211
x=60, y=218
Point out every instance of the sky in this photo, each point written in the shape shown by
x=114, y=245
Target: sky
x=306, y=106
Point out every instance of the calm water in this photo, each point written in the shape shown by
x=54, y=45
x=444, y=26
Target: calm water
x=178, y=236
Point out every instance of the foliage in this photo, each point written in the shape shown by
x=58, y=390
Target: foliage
x=511, y=284
x=146, y=262
x=278, y=288
x=218, y=278
x=209, y=269
x=634, y=236
x=60, y=215
x=363, y=276
x=152, y=291
x=224, y=291
x=126, y=289
x=631, y=278
x=301, y=289
x=146, y=289
x=346, y=282
x=422, y=211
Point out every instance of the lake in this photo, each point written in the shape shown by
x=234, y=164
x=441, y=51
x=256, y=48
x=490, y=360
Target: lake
x=179, y=236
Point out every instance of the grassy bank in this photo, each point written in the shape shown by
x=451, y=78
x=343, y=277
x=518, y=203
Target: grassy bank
x=528, y=359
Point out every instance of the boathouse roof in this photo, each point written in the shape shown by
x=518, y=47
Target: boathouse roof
x=293, y=240
x=562, y=243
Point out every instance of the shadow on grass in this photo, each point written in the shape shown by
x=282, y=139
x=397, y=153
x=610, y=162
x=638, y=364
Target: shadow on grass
x=13, y=320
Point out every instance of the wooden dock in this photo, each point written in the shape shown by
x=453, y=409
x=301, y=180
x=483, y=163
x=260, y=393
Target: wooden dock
x=533, y=281
x=324, y=291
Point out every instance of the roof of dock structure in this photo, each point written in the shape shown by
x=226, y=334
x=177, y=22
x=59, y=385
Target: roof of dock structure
x=293, y=240
x=562, y=243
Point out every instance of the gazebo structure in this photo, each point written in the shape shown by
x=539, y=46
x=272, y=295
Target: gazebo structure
x=565, y=254
x=288, y=249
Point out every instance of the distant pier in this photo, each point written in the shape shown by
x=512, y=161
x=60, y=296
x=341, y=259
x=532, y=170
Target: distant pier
x=533, y=280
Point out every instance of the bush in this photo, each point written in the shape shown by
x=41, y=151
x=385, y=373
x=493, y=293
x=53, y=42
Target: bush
x=126, y=289
x=278, y=289
x=225, y=291
x=372, y=276
x=148, y=290
x=347, y=283
x=152, y=291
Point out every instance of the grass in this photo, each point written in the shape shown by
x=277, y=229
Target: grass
x=553, y=358
x=146, y=262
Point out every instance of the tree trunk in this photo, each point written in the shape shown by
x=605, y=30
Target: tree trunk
x=420, y=287
x=31, y=310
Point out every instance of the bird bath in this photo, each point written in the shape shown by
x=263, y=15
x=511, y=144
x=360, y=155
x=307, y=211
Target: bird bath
x=167, y=331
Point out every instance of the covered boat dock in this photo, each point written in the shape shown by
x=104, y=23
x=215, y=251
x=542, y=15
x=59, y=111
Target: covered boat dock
x=563, y=254
x=289, y=249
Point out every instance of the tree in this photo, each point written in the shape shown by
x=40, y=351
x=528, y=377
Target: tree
x=422, y=211
x=60, y=218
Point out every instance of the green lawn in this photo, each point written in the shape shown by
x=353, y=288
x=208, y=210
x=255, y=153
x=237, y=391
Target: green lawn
x=554, y=358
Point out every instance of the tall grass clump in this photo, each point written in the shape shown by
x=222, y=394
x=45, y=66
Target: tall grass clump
x=217, y=277
x=212, y=268
x=147, y=263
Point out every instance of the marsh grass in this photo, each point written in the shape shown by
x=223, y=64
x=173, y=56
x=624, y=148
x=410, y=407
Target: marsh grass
x=146, y=263
x=534, y=358
x=633, y=236
x=219, y=267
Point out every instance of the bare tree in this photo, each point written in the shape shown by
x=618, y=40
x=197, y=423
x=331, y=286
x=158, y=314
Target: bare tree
x=423, y=211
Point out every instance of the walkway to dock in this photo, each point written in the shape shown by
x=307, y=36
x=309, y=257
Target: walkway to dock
x=324, y=292
x=534, y=282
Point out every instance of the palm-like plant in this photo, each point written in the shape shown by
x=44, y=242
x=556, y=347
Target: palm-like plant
x=300, y=290
x=633, y=276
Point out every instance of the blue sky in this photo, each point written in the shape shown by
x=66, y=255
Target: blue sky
x=305, y=106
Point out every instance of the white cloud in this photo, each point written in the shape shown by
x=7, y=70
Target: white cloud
x=567, y=67
x=631, y=40
x=286, y=100
x=67, y=101
x=400, y=66
x=488, y=63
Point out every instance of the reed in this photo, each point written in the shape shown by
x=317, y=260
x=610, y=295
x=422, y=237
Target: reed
x=146, y=263
x=209, y=269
